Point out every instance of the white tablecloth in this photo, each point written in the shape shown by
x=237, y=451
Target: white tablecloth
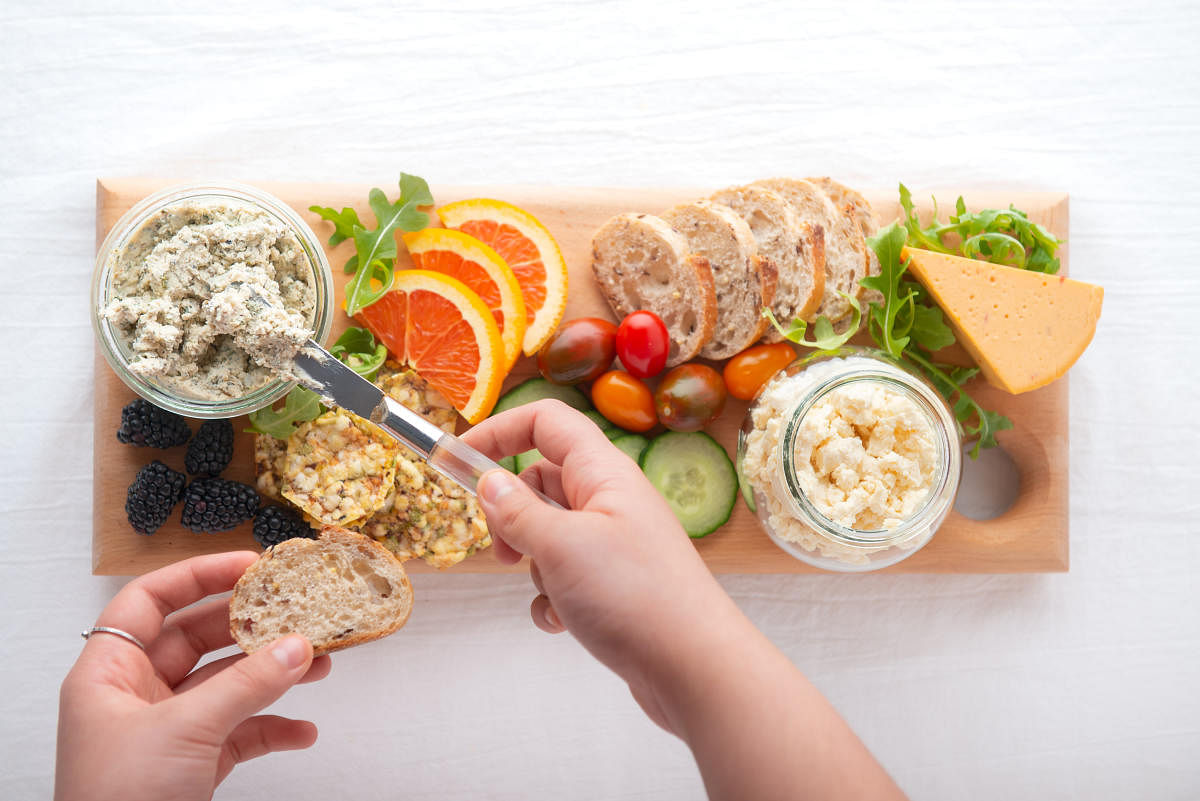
x=1076, y=686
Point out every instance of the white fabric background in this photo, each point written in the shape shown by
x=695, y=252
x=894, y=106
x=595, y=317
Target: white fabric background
x=1076, y=686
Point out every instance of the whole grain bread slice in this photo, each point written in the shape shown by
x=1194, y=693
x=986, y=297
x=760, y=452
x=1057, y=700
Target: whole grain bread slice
x=860, y=208
x=339, y=590
x=640, y=262
x=845, y=247
x=744, y=280
x=796, y=247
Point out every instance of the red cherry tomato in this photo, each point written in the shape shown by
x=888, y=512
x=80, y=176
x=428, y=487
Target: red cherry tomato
x=746, y=372
x=642, y=344
x=624, y=400
x=580, y=350
x=689, y=397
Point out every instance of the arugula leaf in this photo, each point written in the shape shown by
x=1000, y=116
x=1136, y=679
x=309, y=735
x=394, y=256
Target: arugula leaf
x=1002, y=236
x=358, y=349
x=908, y=322
x=824, y=337
x=299, y=406
x=373, y=263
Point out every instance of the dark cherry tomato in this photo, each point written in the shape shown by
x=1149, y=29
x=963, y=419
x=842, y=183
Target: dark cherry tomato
x=624, y=400
x=580, y=350
x=746, y=372
x=642, y=344
x=689, y=397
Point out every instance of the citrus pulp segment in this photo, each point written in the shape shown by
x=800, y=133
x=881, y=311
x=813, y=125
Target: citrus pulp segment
x=464, y=257
x=439, y=327
x=529, y=250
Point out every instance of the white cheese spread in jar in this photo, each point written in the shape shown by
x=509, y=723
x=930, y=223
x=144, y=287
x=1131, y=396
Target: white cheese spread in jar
x=853, y=461
x=212, y=298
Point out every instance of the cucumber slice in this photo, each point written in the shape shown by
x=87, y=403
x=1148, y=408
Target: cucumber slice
x=746, y=489
x=509, y=463
x=631, y=445
x=615, y=433
x=605, y=424
x=527, y=458
x=538, y=388
x=696, y=476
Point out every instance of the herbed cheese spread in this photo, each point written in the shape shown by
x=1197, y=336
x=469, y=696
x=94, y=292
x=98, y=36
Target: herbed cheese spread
x=213, y=298
x=864, y=454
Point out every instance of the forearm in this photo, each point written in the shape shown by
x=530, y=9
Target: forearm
x=757, y=727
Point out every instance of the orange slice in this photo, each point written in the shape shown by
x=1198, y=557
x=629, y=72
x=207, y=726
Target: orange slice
x=464, y=257
x=531, y=252
x=440, y=328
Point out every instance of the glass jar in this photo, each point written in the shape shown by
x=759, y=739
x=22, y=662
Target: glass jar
x=850, y=460
x=114, y=345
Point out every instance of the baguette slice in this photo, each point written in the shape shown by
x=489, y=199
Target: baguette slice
x=795, y=247
x=641, y=263
x=868, y=222
x=339, y=590
x=744, y=280
x=845, y=247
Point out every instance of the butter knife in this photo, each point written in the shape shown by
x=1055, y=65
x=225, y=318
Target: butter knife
x=338, y=385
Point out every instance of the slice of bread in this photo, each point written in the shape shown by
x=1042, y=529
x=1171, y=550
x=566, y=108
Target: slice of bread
x=795, y=247
x=845, y=247
x=846, y=198
x=339, y=590
x=744, y=280
x=640, y=262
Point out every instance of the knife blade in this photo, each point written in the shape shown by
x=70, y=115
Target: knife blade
x=338, y=385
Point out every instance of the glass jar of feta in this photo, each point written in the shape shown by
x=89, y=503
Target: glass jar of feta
x=852, y=461
x=175, y=297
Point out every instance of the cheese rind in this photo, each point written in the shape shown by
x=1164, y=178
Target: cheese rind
x=1024, y=329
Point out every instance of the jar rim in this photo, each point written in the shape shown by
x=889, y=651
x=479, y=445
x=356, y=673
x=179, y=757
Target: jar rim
x=931, y=405
x=132, y=221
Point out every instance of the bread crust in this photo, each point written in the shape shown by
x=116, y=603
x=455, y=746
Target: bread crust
x=245, y=592
x=683, y=295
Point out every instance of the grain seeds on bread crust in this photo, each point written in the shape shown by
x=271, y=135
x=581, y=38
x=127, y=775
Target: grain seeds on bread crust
x=796, y=247
x=641, y=263
x=339, y=590
x=744, y=280
x=845, y=247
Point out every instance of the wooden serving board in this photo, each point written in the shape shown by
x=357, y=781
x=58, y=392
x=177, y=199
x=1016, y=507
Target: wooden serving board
x=1031, y=537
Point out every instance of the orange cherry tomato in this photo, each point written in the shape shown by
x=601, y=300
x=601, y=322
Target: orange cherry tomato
x=624, y=400
x=746, y=372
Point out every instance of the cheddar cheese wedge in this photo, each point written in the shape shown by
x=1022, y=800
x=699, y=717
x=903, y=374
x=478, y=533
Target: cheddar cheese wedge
x=1024, y=329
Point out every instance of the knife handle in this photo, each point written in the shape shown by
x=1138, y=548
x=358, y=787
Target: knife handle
x=457, y=460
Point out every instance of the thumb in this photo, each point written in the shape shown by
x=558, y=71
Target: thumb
x=514, y=513
x=249, y=685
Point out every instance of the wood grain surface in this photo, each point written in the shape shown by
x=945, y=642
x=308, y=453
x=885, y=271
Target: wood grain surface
x=1031, y=537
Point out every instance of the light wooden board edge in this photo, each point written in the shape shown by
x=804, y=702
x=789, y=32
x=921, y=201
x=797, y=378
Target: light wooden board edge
x=1033, y=536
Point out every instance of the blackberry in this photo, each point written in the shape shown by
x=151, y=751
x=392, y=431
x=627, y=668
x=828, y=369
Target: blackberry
x=274, y=524
x=216, y=504
x=144, y=424
x=152, y=495
x=211, y=450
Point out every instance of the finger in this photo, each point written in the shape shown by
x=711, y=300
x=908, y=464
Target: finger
x=505, y=554
x=319, y=669
x=546, y=477
x=544, y=616
x=188, y=635
x=142, y=604
x=535, y=574
x=227, y=698
x=551, y=426
x=262, y=735
x=519, y=517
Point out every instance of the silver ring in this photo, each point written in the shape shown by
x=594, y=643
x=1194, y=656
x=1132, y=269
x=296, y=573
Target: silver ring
x=125, y=635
